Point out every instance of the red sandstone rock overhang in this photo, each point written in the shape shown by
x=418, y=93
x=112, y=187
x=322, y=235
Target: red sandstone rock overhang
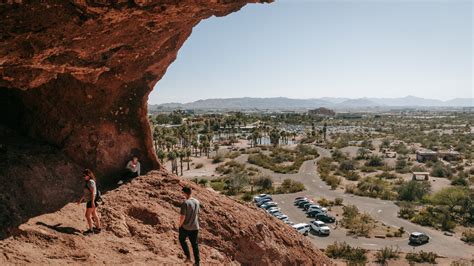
x=77, y=73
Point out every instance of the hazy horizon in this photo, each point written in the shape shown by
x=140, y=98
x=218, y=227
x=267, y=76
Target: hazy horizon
x=315, y=49
x=319, y=98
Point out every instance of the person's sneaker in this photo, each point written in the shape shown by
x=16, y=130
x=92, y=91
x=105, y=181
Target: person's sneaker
x=120, y=182
x=88, y=232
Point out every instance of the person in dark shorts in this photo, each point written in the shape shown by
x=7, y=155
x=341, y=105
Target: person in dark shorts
x=90, y=196
x=189, y=225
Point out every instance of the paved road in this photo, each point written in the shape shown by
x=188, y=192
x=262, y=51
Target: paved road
x=382, y=210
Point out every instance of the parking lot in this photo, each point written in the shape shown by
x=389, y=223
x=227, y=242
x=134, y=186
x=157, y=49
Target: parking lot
x=381, y=210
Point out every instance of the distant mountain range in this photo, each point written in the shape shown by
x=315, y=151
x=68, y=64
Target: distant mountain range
x=247, y=103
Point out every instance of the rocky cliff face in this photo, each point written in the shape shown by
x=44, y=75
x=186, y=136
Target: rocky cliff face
x=75, y=76
x=140, y=227
x=77, y=73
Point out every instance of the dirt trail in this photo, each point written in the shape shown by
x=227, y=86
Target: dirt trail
x=140, y=227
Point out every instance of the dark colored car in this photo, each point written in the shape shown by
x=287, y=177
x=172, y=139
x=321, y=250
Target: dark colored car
x=297, y=202
x=268, y=205
x=260, y=203
x=302, y=203
x=307, y=205
x=324, y=217
x=418, y=238
x=313, y=213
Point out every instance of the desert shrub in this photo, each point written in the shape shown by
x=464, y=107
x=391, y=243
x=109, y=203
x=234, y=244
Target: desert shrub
x=247, y=196
x=236, y=181
x=232, y=155
x=199, y=166
x=307, y=150
x=374, y=161
x=338, y=201
x=413, y=190
x=218, y=158
x=344, y=251
x=460, y=181
x=421, y=257
x=230, y=166
x=362, y=154
x=407, y=211
x=441, y=170
x=401, y=166
x=468, y=236
x=374, y=188
x=264, y=182
x=290, y=186
x=351, y=188
x=387, y=175
x=203, y=182
x=324, y=202
x=418, y=168
x=332, y=181
x=338, y=156
x=278, y=156
x=385, y=254
x=352, y=175
x=218, y=185
x=347, y=165
x=399, y=232
x=359, y=224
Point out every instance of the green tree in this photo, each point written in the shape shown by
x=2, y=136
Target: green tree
x=413, y=190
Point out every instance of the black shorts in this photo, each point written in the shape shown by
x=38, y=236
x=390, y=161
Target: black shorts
x=89, y=204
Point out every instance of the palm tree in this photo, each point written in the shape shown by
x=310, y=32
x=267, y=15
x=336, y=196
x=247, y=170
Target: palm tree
x=181, y=154
x=188, y=153
x=172, y=158
x=161, y=155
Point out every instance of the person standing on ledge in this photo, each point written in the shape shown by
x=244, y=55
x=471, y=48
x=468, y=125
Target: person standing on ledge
x=189, y=225
x=132, y=169
x=90, y=196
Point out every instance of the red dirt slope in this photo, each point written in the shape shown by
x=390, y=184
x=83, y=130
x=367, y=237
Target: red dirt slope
x=140, y=220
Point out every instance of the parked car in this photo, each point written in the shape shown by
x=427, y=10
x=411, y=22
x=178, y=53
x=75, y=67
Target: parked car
x=302, y=203
x=263, y=201
x=418, y=238
x=276, y=214
x=282, y=217
x=306, y=206
x=288, y=222
x=302, y=228
x=297, y=202
x=261, y=197
x=299, y=198
x=320, y=228
x=268, y=205
x=273, y=210
x=314, y=212
x=314, y=207
x=324, y=217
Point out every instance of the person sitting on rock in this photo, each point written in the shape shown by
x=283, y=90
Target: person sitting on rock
x=189, y=225
x=132, y=169
x=90, y=196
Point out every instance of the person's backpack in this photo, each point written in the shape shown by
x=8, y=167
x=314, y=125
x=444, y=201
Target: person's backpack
x=98, y=197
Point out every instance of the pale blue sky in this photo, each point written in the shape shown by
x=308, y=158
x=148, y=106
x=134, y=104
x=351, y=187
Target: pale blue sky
x=311, y=49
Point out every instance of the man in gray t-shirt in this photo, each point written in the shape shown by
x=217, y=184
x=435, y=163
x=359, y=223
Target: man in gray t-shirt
x=189, y=225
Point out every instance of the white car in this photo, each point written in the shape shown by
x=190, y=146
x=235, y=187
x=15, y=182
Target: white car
x=288, y=222
x=282, y=217
x=302, y=228
x=320, y=228
x=273, y=210
x=314, y=207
